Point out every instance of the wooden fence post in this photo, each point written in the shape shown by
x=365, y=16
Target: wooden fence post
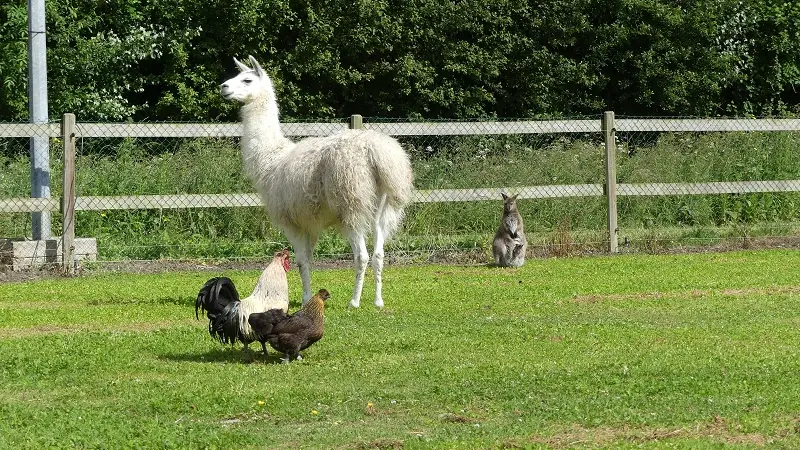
x=68, y=196
x=356, y=122
x=609, y=135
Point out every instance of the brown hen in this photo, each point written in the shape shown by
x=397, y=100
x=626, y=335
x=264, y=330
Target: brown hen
x=289, y=334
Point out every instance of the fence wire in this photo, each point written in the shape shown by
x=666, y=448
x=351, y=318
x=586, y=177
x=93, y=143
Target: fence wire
x=30, y=174
x=686, y=182
x=177, y=191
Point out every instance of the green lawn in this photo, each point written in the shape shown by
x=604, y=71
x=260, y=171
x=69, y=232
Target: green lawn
x=687, y=351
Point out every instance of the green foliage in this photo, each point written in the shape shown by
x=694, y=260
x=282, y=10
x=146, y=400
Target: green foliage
x=762, y=40
x=13, y=61
x=127, y=59
x=674, y=351
x=658, y=57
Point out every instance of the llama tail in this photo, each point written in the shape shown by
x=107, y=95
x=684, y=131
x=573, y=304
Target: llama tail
x=395, y=182
x=388, y=217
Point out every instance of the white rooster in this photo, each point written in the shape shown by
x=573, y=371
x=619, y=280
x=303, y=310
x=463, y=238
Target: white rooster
x=227, y=315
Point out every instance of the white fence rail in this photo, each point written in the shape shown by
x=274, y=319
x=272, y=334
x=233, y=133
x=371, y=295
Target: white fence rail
x=187, y=130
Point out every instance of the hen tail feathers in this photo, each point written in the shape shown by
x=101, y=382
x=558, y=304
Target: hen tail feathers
x=263, y=323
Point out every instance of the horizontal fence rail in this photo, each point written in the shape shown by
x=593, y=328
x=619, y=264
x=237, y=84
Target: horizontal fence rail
x=183, y=201
x=184, y=130
x=178, y=130
x=707, y=125
x=723, y=187
x=27, y=205
x=485, y=128
x=24, y=130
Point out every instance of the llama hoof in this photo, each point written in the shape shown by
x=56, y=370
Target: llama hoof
x=354, y=303
x=379, y=303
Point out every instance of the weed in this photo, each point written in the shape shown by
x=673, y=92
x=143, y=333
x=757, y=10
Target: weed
x=561, y=243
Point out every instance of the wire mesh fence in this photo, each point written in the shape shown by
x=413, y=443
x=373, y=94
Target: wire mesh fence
x=689, y=182
x=555, y=167
x=177, y=191
x=30, y=172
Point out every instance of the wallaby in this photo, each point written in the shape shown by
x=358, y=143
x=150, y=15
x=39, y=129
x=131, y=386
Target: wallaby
x=509, y=243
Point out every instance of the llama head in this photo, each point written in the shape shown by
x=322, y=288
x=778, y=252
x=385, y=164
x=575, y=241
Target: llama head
x=250, y=84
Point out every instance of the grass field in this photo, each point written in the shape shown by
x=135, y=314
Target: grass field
x=666, y=351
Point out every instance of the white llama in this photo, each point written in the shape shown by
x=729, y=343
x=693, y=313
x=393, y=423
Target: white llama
x=358, y=181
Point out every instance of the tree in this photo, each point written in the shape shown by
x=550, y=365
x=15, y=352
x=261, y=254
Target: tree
x=163, y=60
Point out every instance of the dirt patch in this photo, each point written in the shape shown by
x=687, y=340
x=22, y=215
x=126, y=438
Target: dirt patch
x=717, y=430
x=476, y=257
x=456, y=418
x=380, y=444
x=8, y=275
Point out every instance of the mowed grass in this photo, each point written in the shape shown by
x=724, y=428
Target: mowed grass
x=687, y=351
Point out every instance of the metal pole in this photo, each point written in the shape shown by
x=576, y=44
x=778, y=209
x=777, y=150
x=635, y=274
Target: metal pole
x=609, y=133
x=37, y=108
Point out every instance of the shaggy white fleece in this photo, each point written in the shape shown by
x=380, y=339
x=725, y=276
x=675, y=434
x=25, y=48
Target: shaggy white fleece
x=358, y=181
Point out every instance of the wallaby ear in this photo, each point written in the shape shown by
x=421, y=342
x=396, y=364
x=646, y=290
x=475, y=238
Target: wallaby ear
x=256, y=67
x=513, y=198
x=505, y=197
x=242, y=67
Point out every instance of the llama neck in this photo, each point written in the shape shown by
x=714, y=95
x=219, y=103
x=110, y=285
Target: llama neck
x=262, y=136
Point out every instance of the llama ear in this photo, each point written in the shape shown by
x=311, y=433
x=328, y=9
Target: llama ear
x=242, y=67
x=256, y=67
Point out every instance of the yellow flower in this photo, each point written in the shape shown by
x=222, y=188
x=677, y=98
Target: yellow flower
x=314, y=412
x=370, y=405
x=261, y=403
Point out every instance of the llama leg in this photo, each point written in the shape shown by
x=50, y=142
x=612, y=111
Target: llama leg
x=303, y=247
x=310, y=244
x=377, y=263
x=305, y=270
x=360, y=262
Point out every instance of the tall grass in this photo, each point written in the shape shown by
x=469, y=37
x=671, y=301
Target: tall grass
x=210, y=165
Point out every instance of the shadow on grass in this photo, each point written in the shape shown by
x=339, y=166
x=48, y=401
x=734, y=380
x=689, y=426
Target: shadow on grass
x=226, y=355
x=116, y=301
